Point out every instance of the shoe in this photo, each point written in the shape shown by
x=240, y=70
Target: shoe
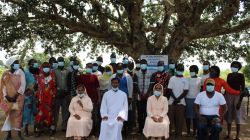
x=8, y=136
x=20, y=135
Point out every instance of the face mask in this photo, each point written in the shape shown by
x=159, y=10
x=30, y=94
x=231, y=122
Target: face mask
x=89, y=70
x=120, y=71
x=125, y=61
x=212, y=75
x=205, y=67
x=46, y=70
x=76, y=67
x=115, y=89
x=143, y=66
x=71, y=63
x=95, y=68
x=80, y=95
x=157, y=93
x=16, y=66
x=35, y=65
x=172, y=66
x=192, y=74
x=137, y=66
x=160, y=68
x=99, y=63
x=113, y=60
x=234, y=70
x=180, y=73
x=109, y=73
x=54, y=65
x=60, y=64
x=210, y=88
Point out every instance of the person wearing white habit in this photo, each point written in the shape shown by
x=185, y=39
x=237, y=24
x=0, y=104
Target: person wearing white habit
x=114, y=111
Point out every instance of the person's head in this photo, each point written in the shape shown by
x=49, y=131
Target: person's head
x=143, y=64
x=53, y=63
x=89, y=67
x=235, y=66
x=125, y=60
x=171, y=64
x=210, y=85
x=46, y=68
x=206, y=65
x=158, y=90
x=72, y=59
x=214, y=72
x=108, y=70
x=120, y=69
x=33, y=66
x=115, y=84
x=60, y=61
x=193, y=69
x=80, y=90
x=137, y=64
x=160, y=66
x=99, y=60
x=95, y=66
x=76, y=65
x=13, y=63
x=180, y=69
x=113, y=57
x=131, y=66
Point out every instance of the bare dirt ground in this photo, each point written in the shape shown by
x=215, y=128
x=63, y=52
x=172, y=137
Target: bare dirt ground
x=245, y=133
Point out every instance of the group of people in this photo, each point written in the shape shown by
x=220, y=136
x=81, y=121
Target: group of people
x=110, y=101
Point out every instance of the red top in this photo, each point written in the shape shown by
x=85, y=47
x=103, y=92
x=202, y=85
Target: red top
x=91, y=83
x=219, y=83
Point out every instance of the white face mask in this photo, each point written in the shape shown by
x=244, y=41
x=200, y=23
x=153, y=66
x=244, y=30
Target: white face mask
x=81, y=95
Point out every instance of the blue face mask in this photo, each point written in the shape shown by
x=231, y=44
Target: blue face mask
x=205, y=67
x=172, y=66
x=160, y=68
x=60, y=64
x=234, y=70
x=95, y=68
x=71, y=63
x=46, y=70
x=192, y=74
x=125, y=61
x=144, y=66
x=157, y=93
x=109, y=73
x=180, y=73
x=55, y=65
x=210, y=88
x=88, y=70
x=120, y=71
x=76, y=67
x=113, y=60
x=35, y=65
x=16, y=66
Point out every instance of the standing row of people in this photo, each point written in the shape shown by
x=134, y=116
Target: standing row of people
x=93, y=99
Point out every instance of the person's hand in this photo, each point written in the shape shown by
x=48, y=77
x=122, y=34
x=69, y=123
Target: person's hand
x=105, y=118
x=238, y=105
x=77, y=117
x=120, y=119
x=80, y=103
x=129, y=101
x=160, y=119
x=215, y=121
x=154, y=119
x=176, y=102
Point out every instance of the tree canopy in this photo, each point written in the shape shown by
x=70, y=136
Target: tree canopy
x=211, y=29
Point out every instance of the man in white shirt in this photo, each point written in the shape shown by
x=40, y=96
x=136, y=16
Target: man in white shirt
x=114, y=111
x=178, y=89
x=207, y=105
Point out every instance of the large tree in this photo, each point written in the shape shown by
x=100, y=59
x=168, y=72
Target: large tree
x=134, y=27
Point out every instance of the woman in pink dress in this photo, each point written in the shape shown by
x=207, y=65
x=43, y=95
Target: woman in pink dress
x=157, y=122
x=80, y=122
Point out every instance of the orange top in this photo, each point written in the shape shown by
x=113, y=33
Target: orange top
x=219, y=83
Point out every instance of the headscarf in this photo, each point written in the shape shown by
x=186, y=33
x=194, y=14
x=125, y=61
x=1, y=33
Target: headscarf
x=105, y=75
x=161, y=88
x=11, y=60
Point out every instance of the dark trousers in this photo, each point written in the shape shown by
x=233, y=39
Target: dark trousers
x=63, y=103
x=209, y=131
x=129, y=125
x=96, y=117
x=142, y=113
x=176, y=115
